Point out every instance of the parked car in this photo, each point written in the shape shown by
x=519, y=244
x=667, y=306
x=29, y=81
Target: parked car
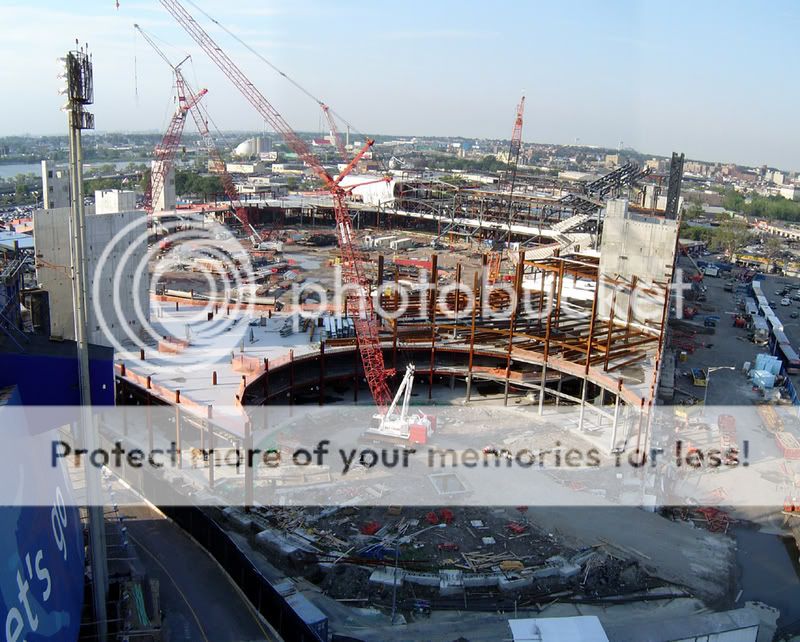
x=785, y=301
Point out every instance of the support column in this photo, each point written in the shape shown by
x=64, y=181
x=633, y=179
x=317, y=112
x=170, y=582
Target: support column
x=265, y=382
x=355, y=374
x=610, y=320
x=583, y=404
x=321, y=373
x=210, y=441
x=475, y=304
x=291, y=377
x=379, y=288
x=588, y=353
x=634, y=283
x=558, y=293
x=248, y=470
x=432, y=306
x=548, y=329
x=178, y=435
x=616, y=417
x=396, y=298
x=149, y=422
x=458, y=299
x=484, y=278
x=512, y=322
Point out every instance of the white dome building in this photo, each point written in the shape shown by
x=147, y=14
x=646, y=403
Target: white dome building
x=249, y=148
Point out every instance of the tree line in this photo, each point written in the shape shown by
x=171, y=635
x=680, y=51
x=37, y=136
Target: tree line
x=763, y=207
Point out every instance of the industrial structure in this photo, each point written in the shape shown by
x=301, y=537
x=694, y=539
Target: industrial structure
x=518, y=290
x=113, y=251
x=55, y=186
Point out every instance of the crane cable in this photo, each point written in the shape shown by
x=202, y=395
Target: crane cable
x=274, y=68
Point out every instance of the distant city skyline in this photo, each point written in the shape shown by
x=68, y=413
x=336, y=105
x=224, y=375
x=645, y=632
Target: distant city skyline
x=712, y=82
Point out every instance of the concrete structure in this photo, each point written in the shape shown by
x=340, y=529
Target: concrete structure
x=10, y=286
x=288, y=168
x=368, y=191
x=52, y=246
x=246, y=168
x=739, y=625
x=111, y=201
x=656, y=164
x=55, y=186
x=792, y=192
x=785, y=232
x=636, y=252
x=253, y=147
x=582, y=628
x=166, y=199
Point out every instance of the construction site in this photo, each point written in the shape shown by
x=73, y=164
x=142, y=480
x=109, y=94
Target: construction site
x=539, y=295
x=401, y=311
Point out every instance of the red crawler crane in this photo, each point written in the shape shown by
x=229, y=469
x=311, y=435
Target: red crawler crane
x=200, y=118
x=358, y=300
x=516, y=145
x=513, y=159
x=337, y=138
x=164, y=153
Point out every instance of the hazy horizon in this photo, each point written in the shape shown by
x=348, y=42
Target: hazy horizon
x=711, y=81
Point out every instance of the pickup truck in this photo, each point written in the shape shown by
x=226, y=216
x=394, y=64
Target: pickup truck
x=698, y=377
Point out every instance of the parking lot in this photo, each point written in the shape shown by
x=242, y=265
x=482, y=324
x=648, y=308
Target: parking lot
x=727, y=347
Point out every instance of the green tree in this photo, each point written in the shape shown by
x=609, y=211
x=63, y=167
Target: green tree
x=20, y=191
x=732, y=236
x=144, y=184
x=694, y=211
x=773, y=246
x=697, y=233
x=732, y=200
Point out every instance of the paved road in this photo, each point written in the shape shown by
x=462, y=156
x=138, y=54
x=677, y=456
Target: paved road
x=199, y=600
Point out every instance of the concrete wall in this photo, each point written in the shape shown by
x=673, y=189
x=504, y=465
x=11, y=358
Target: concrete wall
x=52, y=243
x=370, y=192
x=166, y=200
x=634, y=245
x=111, y=201
x=55, y=186
x=246, y=168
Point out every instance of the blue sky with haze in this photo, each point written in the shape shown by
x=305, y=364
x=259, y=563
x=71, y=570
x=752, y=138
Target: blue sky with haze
x=715, y=80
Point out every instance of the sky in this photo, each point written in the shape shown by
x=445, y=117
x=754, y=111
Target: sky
x=715, y=80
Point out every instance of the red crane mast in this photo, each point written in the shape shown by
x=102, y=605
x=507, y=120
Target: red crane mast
x=513, y=159
x=164, y=153
x=337, y=137
x=516, y=141
x=357, y=298
x=200, y=118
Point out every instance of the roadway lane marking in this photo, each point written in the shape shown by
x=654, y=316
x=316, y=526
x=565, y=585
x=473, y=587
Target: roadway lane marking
x=174, y=583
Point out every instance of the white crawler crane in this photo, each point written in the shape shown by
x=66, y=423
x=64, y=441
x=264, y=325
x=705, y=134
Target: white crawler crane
x=397, y=425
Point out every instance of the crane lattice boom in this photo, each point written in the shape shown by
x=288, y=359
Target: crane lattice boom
x=201, y=122
x=358, y=299
x=516, y=144
x=164, y=153
x=337, y=138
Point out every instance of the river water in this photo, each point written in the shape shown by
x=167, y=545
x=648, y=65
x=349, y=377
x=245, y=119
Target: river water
x=12, y=169
x=770, y=573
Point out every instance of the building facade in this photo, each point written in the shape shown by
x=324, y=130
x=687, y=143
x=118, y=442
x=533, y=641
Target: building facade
x=55, y=186
x=112, y=313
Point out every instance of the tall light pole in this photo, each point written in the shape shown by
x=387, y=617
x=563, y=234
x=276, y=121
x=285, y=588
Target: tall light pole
x=708, y=380
x=80, y=93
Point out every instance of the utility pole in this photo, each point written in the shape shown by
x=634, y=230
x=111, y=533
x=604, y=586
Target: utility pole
x=80, y=93
x=708, y=381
